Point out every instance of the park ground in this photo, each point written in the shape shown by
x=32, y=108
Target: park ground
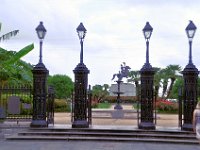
x=165, y=121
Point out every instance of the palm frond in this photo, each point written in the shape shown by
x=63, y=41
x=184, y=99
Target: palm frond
x=9, y=35
x=19, y=54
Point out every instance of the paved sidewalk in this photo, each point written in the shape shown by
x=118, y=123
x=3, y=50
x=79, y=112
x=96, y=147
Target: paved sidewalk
x=63, y=120
x=78, y=145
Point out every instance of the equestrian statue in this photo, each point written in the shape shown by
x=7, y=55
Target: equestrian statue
x=123, y=73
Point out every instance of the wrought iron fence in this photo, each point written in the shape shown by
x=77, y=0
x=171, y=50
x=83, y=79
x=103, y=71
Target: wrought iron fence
x=50, y=106
x=16, y=102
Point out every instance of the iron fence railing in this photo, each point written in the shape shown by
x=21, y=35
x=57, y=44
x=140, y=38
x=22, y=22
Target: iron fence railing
x=16, y=102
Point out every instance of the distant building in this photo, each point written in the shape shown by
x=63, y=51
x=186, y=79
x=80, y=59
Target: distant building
x=128, y=89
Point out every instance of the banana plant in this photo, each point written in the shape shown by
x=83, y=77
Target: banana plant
x=12, y=68
x=8, y=35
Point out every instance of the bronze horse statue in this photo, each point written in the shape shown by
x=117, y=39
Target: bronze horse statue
x=123, y=73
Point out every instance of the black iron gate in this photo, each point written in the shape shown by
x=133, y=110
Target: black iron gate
x=16, y=102
x=180, y=106
x=50, y=106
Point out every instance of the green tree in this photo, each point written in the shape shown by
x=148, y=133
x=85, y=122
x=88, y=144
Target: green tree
x=62, y=85
x=12, y=69
x=157, y=80
x=164, y=81
x=134, y=76
x=8, y=35
x=172, y=72
x=177, y=85
x=99, y=92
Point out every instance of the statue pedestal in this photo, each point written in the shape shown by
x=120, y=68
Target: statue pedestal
x=118, y=114
x=118, y=106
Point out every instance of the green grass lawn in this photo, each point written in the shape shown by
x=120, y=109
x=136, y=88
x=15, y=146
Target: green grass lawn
x=103, y=105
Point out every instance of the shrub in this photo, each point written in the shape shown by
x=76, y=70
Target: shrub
x=125, y=99
x=26, y=111
x=94, y=104
x=166, y=106
x=26, y=99
x=61, y=105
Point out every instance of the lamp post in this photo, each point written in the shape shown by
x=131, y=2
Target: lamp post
x=40, y=74
x=147, y=77
x=147, y=31
x=80, y=102
x=41, y=32
x=190, y=75
x=81, y=34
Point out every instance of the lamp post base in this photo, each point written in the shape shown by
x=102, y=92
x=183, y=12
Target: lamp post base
x=80, y=124
x=38, y=123
x=147, y=126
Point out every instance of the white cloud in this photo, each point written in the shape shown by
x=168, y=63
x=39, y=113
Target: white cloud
x=114, y=33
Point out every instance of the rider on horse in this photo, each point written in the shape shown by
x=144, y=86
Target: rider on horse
x=123, y=73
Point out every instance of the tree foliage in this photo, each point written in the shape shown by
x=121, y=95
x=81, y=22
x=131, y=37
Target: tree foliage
x=8, y=35
x=99, y=92
x=162, y=78
x=157, y=80
x=134, y=76
x=173, y=74
x=178, y=85
x=13, y=70
x=62, y=85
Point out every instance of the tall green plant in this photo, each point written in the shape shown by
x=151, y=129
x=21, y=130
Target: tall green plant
x=157, y=80
x=8, y=35
x=99, y=92
x=12, y=68
x=173, y=71
x=134, y=76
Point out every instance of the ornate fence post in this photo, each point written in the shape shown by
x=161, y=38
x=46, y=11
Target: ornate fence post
x=147, y=91
x=80, y=119
x=40, y=74
x=80, y=102
x=190, y=75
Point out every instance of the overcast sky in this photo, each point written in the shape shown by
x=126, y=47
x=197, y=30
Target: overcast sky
x=114, y=33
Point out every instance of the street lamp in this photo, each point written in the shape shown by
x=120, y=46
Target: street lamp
x=81, y=34
x=147, y=31
x=40, y=74
x=190, y=75
x=80, y=103
x=147, y=90
x=41, y=32
x=190, y=30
